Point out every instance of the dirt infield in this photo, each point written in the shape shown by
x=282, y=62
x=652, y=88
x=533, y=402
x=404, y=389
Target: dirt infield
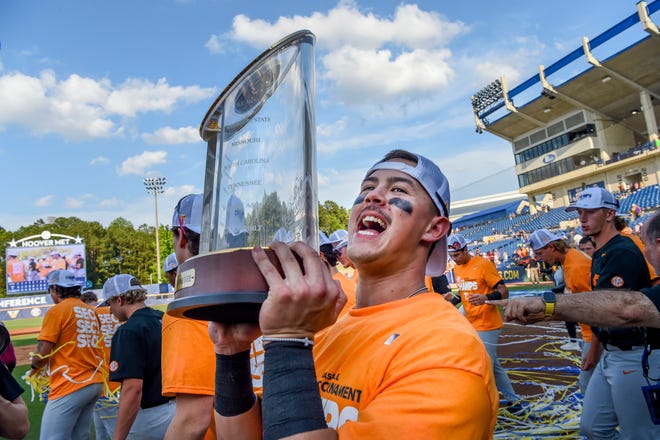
x=23, y=353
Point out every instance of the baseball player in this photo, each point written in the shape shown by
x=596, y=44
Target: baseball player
x=170, y=266
x=68, y=345
x=144, y=413
x=612, y=398
x=576, y=267
x=187, y=356
x=478, y=280
x=403, y=363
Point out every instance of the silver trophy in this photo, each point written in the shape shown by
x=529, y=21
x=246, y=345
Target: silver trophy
x=260, y=182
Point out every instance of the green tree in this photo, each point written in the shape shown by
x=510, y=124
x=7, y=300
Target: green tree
x=332, y=217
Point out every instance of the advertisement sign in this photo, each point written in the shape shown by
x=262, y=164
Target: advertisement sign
x=31, y=259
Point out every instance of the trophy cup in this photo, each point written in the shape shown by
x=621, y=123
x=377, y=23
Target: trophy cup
x=260, y=182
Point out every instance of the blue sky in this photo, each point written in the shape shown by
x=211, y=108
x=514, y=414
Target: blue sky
x=96, y=95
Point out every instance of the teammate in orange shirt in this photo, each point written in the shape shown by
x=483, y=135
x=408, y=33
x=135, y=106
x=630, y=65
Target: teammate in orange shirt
x=188, y=356
x=56, y=261
x=402, y=364
x=576, y=266
x=621, y=225
x=478, y=280
x=68, y=346
x=15, y=268
x=348, y=286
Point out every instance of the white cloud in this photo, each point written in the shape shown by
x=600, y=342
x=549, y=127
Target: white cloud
x=346, y=25
x=214, y=45
x=141, y=163
x=370, y=59
x=334, y=129
x=99, y=160
x=109, y=203
x=170, y=136
x=44, y=201
x=138, y=95
x=79, y=108
x=72, y=203
x=363, y=76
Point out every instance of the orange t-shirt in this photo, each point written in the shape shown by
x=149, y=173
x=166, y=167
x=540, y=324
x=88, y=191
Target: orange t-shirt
x=349, y=287
x=74, y=328
x=58, y=264
x=109, y=325
x=411, y=368
x=478, y=276
x=16, y=270
x=188, y=357
x=428, y=282
x=577, y=277
x=188, y=360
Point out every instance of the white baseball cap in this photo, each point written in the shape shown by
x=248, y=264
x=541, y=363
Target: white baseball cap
x=341, y=244
x=188, y=213
x=338, y=235
x=62, y=278
x=170, y=263
x=541, y=237
x=593, y=198
x=436, y=185
x=120, y=284
x=456, y=242
x=323, y=239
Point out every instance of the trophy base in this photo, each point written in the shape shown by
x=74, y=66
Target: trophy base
x=225, y=307
x=224, y=286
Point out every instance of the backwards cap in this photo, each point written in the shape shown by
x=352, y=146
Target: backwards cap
x=437, y=187
x=595, y=197
x=170, y=263
x=119, y=285
x=456, y=242
x=541, y=237
x=188, y=213
x=62, y=278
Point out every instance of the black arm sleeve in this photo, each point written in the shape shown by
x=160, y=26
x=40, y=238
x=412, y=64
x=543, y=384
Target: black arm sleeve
x=9, y=387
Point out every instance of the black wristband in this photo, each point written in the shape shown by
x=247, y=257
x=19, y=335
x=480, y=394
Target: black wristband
x=233, y=384
x=494, y=296
x=291, y=400
x=10, y=389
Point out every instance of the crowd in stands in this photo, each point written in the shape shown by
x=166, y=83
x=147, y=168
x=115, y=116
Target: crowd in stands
x=503, y=240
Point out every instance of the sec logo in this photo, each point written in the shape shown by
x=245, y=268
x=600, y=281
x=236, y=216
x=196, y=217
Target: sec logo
x=617, y=281
x=114, y=366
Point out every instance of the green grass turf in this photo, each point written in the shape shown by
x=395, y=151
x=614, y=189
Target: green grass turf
x=19, y=324
x=35, y=409
x=23, y=340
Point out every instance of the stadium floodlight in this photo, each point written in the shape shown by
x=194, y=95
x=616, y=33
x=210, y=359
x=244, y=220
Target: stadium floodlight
x=488, y=96
x=155, y=185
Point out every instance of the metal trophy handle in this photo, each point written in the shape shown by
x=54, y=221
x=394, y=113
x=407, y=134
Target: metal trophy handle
x=260, y=182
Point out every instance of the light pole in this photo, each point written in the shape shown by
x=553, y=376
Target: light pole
x=155, y=186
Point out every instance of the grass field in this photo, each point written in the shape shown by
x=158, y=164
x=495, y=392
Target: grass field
x=35, y=409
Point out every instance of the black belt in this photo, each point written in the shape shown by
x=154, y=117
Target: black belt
x=625, y=347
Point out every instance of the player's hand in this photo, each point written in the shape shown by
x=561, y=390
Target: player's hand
x=232, y=338
x=477, y=299
x=298, y=304
x=521, y=310
x=591, y=358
